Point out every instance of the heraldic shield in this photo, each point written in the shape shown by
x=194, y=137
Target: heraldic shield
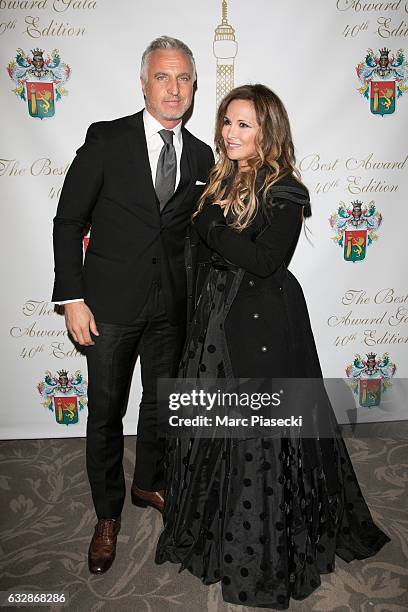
x=355, y=245
x=40, y=99
x=370, y=378
x=370, y=392
x=66, y=409
x=382, y=97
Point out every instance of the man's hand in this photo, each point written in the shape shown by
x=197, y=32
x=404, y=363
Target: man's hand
x=79, y=320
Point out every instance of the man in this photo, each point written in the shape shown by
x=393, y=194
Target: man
x=136, y=180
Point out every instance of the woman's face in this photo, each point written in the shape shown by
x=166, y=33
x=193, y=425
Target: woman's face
x=239, y=131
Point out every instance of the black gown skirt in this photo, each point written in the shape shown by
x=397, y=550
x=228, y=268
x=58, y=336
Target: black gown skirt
x=256, y=514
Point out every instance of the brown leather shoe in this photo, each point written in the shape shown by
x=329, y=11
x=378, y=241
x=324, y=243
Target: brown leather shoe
x=143, y=498
x=102, y=549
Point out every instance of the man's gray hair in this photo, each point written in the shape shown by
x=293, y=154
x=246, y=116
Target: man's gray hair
x=165, y=42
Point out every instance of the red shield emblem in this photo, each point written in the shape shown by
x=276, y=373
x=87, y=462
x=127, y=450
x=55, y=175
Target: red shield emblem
x=370, y=392
x=66, y=409
x=382, y=97
x=355, y=244
x=40, y=99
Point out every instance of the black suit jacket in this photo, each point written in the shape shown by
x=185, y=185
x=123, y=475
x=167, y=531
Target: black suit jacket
x=109, y=185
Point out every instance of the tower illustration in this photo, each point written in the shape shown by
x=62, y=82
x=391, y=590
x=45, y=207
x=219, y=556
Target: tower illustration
x=225, y=49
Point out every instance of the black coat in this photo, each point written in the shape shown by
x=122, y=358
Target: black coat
x=109, y=185
x=251, y=320
x=267, y=328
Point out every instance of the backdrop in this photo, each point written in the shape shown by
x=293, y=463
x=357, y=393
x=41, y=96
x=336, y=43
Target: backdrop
x=341, y=71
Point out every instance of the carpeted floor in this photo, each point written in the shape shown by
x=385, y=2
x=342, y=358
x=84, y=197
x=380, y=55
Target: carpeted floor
x=47, y=520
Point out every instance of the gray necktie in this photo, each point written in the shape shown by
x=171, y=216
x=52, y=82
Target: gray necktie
x=166, y=169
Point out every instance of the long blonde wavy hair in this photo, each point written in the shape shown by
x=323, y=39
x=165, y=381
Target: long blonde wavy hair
x=274, y=152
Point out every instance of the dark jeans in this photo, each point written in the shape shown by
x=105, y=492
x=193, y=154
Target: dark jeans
x=111, y=362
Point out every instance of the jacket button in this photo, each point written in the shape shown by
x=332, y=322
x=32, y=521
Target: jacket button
x=251, y=283
x=264, y=349
x=256, y=315
x=154, y=260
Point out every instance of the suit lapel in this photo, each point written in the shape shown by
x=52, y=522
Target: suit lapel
x=139, y=164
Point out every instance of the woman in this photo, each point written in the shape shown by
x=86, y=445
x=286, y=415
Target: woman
x=264, y=516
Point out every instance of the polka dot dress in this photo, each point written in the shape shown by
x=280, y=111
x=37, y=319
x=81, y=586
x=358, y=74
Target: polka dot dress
x=256, y=514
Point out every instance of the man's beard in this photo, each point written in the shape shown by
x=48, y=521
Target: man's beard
x=175, y=115
x=172, y=116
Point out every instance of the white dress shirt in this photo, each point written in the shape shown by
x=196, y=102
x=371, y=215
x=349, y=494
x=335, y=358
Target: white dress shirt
x=155, y=144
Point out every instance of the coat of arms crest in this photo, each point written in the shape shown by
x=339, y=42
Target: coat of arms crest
x=64, y=395
x=355, y=227
x=383, y=79
x=39, y=81
x=370, y=377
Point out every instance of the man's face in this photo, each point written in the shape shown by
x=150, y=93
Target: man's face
x=169, y=88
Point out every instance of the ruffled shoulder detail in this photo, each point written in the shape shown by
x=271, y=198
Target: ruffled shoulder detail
x=289, y=188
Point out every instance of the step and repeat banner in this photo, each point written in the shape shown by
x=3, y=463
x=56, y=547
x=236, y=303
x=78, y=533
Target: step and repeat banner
x=341, y=69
